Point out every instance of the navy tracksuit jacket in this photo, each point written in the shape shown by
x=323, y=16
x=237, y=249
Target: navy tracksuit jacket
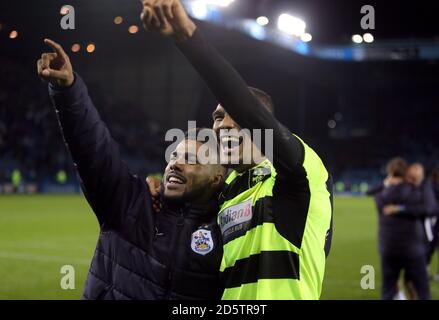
x=175, y=254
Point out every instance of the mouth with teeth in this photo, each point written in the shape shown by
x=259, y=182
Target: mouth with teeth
x=174, y=180
x=230, y=144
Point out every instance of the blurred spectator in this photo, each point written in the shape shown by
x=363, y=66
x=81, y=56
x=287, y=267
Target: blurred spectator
x=404, y=201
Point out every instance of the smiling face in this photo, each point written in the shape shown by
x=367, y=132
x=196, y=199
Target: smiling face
x=236, y=149
x=185, y=180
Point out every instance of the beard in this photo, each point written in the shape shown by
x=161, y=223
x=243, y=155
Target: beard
x=197, y=193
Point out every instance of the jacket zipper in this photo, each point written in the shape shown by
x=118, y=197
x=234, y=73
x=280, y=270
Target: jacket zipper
x=180, y=223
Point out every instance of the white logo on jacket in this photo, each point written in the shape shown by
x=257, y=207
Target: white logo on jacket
x=202, y=242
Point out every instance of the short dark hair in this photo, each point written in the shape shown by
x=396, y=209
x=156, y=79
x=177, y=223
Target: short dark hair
x=264, y=98
x=397, y=167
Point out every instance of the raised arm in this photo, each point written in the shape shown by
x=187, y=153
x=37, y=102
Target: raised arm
x=105, y=179
x=226, y=84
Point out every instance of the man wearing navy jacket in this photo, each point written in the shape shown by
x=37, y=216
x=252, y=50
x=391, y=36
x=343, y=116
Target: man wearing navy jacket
x=174, y=254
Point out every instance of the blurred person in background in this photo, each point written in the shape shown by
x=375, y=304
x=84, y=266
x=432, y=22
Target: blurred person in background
x=405, y=205
x=420, y=188
x=16, y=180
x=396, y=170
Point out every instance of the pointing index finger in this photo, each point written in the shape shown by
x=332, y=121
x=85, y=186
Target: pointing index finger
x=56, y=47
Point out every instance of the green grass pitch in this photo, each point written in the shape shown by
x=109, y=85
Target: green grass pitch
x=39, y=234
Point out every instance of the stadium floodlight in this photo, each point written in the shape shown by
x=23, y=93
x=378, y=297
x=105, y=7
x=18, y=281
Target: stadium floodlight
x=262, y=21
x=76, y=47
x=91, y=48
x=219, y=3
x=291, y=25
x=254, y=29
x=368, y=37
x=357, y=38
x=199, y=9
x=13, y=34
x=64, y=10
x=306, y=37
x=133, y=29
x=118, y=20
x=332, y=124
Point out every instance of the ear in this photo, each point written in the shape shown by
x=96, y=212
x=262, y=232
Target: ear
x=218, y=179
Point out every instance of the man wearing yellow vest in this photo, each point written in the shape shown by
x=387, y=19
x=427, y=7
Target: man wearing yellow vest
x=275, y=216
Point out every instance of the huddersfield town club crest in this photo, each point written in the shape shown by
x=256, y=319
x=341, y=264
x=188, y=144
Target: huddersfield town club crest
x=202, y=242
